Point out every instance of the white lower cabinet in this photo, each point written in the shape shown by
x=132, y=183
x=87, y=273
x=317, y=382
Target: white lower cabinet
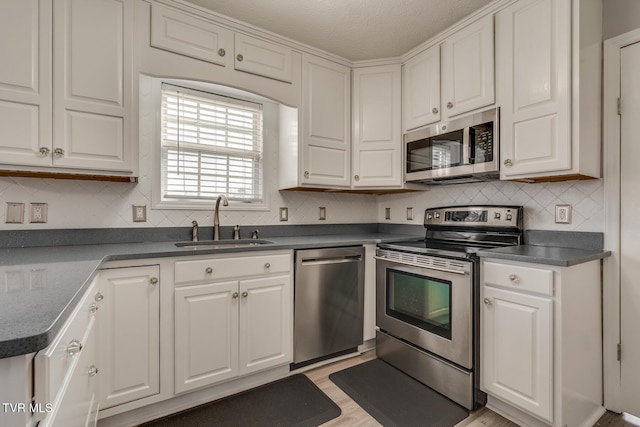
x=129, y=334
x=232, y=327
x=541, y=342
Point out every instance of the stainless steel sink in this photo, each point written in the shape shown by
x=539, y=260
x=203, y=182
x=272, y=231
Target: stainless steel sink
x=222, y=244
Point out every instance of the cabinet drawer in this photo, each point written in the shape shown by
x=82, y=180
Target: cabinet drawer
x=53, y=364
x=223, y=268
x=528, y=279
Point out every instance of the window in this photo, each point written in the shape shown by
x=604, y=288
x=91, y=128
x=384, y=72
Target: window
x=211, y=145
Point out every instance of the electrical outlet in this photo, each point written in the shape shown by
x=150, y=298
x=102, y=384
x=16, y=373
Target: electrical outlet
x=563, y=214
x=139, y=213
x=409, y=214
x=322, y=213
x=15, y=213
x=284, y=214
x=38, y=213
x=387, y=213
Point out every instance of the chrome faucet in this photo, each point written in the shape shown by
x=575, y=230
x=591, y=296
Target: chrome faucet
x=216, y=218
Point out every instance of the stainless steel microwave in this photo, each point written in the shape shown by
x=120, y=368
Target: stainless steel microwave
x=461, y=150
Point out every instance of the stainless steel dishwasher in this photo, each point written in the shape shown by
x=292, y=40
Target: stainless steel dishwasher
x=328, y=302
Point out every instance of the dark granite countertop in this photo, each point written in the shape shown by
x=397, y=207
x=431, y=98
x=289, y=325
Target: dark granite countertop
x=548, y=255
x=40, y=286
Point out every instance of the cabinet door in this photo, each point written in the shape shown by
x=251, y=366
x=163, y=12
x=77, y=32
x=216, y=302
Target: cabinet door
x=326, y=123
x=467, y=69
x=265, y=323
x=534, y=62
x=92, y=87
x=377, y=144
x=263, y=58
x=190, y=36
x=421, y=89
x=129, y=334
x=25, y=82
x=517, y=355
x=206, y=334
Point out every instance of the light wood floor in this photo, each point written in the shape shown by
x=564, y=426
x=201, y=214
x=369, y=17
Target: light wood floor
x=354, y=415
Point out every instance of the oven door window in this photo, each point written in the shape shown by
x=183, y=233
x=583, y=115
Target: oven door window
x=436, y=152
x=424, y=302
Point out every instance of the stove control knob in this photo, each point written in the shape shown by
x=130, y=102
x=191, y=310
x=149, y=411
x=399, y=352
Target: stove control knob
x=429, y=216
x=437, y=215
x=496, y=215
x=508, y=217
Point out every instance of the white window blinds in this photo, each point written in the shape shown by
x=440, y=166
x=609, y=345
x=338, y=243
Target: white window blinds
x=211, y=145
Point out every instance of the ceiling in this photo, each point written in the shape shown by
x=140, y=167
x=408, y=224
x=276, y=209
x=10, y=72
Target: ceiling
x=353, y=29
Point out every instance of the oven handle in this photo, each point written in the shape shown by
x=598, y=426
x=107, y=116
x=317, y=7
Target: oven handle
x=446, y=270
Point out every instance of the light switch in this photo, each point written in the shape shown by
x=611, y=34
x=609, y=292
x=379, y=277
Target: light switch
x=284, y=214
x=322, y=213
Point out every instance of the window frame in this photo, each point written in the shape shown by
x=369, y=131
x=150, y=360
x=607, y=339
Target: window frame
x=158, y=199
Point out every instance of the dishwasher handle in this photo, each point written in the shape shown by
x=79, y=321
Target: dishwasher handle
x=331, y=260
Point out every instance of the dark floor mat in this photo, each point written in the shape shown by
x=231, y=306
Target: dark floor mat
x=293, y=401
x=395, y=399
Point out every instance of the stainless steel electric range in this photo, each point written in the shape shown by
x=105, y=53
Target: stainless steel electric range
x=427, y=290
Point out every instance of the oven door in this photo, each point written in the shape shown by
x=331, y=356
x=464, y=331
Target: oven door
x=429, y=307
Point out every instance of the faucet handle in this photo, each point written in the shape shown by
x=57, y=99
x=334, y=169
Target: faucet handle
x=254, y=233
x=194, y=232
x=236, y=232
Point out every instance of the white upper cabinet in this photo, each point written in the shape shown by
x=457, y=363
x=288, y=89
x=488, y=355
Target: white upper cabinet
x=25, y=85
x=548, y=59
x=188, y=35
x=67, y=104
x=377, y=133
x=326, y=123
x=263, y=58
x=467, y=69
x=92, y=88
x=421, y=89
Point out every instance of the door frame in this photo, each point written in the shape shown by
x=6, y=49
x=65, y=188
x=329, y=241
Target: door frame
x=612, y=210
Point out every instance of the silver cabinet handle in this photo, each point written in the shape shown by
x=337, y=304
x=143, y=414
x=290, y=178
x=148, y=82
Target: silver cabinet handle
x=245, y=294
x=235, y=295
x=153, y=281
x=515, y=279
x=267, y=265
x=487, y=301
x=44, y=151
x=306, y=174
x=74, y=348
x=208, y=270
x=356, y=177
x=449, y=105
x=239, y=58
x=93, y=371
x=222, y=52
x=508, y=162
x=58, y=152
x=93, y=307
x=99, y=297
x=434, y=110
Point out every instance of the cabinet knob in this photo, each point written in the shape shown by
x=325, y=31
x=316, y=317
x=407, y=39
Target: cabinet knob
x=58, y=152
x=235, y=295
x=515, y=279
x=93, y=371
x=93, y=307
x=222, y=52
x=487, y=301
x=239, y=57
x=508, y=162
x=306, y=174
x=449, y=105
x=208, y=270
x=44, y=151
x=153, y=281
x=74, y=348
x=99, y=297
x=444, y=127
x=267, y=265
x=356, y=177
x=435, y=110
x=245, y=294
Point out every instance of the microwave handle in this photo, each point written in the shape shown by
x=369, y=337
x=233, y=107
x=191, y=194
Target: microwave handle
x=467, y=147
